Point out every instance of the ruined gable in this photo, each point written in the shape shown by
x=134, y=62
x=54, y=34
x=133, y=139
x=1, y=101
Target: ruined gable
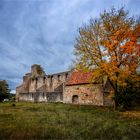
x=37, y=82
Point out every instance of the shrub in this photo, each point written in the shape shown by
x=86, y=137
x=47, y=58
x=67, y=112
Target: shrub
x=130, y=95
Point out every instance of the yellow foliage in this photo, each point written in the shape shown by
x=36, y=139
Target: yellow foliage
x=110, y=46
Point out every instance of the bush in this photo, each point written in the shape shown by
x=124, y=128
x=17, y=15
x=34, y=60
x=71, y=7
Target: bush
x=130, y=95
x=4, y=90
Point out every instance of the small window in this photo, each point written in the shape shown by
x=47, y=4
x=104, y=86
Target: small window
x=66, y=75
x=51, y=78
x=36, y=79
x=58, y=77
x=44, y=78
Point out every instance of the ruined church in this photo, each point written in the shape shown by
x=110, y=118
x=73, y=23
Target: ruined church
x=67, y=87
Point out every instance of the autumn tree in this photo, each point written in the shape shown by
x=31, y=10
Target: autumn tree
x=110, y=47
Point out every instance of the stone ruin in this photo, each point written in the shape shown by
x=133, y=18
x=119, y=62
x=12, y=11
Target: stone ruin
x=38, y=87
x=67, y=87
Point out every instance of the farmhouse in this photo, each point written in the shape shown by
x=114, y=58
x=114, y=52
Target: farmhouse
x=67, y=87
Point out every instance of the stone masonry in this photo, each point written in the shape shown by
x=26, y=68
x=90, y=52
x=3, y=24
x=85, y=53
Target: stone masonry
x=67, y=87
x=38, y=87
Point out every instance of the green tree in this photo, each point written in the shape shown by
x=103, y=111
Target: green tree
x=4, y=90
x=110, y=47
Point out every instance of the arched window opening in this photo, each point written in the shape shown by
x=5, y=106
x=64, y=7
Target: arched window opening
x=66, y=75
x=58, y=77
x=44, y=78
x=51, y=78
x=36, y=80
x=75, y=99
x=43, y=95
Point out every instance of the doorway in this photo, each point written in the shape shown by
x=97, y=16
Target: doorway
x=75, y=99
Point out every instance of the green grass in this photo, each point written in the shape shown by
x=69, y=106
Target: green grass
x=68, y=122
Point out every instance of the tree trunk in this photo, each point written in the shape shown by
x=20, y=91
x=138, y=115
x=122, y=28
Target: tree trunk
x=116, y=100
x=115, y=104
x=114, y=86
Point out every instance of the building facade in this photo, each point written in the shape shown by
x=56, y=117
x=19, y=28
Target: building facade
x=67, y=87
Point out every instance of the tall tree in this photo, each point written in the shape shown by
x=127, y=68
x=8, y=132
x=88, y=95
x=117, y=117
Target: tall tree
x=111, y=46
x=4, y=90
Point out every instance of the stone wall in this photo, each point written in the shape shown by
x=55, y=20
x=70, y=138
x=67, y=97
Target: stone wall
x=55, y=81
x=84, y=94
x=37, y=81
x=50, y=82
x=41, y=97
x=39, y=87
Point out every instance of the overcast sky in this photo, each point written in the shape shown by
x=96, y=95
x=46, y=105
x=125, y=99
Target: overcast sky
x=43, y=32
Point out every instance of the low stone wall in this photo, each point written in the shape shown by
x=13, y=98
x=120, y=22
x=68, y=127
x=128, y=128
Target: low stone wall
x=41, y=97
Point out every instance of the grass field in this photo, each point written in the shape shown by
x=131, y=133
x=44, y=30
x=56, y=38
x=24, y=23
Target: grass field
x=68, y=122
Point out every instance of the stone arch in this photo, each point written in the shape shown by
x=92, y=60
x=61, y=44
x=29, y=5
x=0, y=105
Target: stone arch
x=59, y=78
x=75, y=99
x=36, y=80
x=44, y=78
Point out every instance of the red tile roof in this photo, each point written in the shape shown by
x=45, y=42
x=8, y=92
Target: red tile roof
x=77, y=78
